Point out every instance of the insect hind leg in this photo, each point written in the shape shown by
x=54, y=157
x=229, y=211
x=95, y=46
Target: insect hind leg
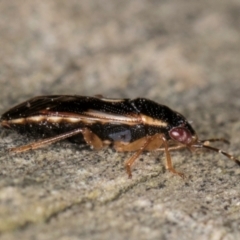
x=89, y=137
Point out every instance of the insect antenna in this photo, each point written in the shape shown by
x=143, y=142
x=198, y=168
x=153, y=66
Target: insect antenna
x=207, y=141
x=202, y=145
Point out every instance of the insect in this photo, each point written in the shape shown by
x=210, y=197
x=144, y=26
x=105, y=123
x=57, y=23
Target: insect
x=135, y=125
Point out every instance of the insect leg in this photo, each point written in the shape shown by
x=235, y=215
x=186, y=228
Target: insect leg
x=90, y=138
x=169, y=165
x=132, y=159
x=45, y=141
x=129, y=147
x=146, y=143
x=171, y=148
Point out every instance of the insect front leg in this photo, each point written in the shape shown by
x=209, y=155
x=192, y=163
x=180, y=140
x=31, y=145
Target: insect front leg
x=169, y=165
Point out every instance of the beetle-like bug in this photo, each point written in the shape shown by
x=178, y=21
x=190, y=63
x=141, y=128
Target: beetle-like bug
x=127, y=125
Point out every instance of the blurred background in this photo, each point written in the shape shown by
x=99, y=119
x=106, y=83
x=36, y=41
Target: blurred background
x=152, y=48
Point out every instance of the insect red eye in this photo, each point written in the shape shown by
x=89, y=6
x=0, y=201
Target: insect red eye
x=181, y=135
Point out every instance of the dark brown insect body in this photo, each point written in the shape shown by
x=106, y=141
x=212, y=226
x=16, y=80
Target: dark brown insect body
x=127, y=125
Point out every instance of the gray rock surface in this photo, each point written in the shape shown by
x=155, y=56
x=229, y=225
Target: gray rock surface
x=184, y=54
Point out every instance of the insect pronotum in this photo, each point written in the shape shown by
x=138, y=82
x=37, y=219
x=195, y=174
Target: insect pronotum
x=125, y=124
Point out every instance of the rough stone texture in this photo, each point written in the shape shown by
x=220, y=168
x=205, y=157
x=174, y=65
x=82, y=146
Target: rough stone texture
x=184, y=54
